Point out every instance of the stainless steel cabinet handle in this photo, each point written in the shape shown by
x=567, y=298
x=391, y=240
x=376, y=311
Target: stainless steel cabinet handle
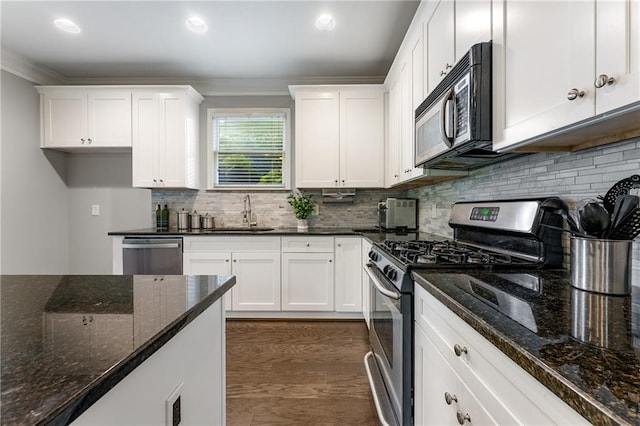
x=450, y=398
x=459, y=350
x=463, y=417
x=603, y=80
x=575, y=94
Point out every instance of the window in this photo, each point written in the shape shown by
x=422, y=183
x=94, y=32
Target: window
x=248, y=148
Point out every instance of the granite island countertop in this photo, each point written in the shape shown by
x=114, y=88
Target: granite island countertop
x=67, y=340
x=584, y=347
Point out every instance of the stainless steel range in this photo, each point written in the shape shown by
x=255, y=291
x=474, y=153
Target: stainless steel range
x=491, y=235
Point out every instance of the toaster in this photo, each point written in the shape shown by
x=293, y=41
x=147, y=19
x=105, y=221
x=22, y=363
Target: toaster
x=398, y=213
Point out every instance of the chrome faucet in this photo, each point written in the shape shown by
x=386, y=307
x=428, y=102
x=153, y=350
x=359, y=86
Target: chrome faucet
x=247, y=216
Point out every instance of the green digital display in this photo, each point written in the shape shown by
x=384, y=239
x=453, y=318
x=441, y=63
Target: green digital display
x=485, y=211
x=485, y=214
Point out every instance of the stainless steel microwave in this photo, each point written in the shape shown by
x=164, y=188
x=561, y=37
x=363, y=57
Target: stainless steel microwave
x=453, y=124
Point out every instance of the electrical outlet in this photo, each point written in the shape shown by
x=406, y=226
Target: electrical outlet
x=95, y=210
x=173, y=407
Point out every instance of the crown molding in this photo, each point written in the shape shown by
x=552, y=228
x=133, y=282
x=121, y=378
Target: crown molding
x=20, y=66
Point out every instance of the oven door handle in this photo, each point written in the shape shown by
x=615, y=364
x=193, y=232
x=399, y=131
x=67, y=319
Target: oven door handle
x=378, y=285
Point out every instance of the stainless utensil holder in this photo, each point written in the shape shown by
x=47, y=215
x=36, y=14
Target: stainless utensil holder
x=601, y=266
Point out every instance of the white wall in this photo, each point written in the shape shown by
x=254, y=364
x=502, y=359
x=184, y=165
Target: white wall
x=103, y=180
x=34, y=224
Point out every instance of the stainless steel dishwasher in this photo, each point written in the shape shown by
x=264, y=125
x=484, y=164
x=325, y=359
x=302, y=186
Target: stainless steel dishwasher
x=152, y=256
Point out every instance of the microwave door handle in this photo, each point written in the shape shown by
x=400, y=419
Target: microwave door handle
x=443, y=118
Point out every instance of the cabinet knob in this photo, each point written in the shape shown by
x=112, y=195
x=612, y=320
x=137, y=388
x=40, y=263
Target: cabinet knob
x=89, y=141
x=308, y=245
x=459, y=350
x=603, y=80
x=235, y=260
x=339, y=245
x=442, y=73
x=226, y=260
x=396, y=176
x=450, y=398
x=155, y=180
x=463, y=417
x=575, y=94
x=82, y=140
x=330, y=261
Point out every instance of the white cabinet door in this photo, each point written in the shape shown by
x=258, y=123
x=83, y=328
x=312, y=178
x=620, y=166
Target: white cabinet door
x=433, y=377
x=145, y=153
x=317, y=139
x=64, y=119
x=393, y=149
x=348, y=274
x=172, y=139
x=361, y=139
x=307, y=281
x=257, y=281
x=165, y=143
x=441, y=43
x=473, y=24
x=366, y=301
x=109, y=118
x=617, y=53
x=209, y=264
x=535, y=66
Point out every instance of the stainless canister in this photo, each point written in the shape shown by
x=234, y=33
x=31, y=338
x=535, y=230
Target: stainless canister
x=183, y=219
x=601, y=266
x=207, y=221
x=194, y=220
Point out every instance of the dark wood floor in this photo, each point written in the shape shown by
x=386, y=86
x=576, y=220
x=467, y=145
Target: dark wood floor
x=297, y=373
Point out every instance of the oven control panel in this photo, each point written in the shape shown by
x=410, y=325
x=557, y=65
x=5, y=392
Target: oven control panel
x=487, y=214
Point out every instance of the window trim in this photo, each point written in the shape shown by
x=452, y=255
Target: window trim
x=287, y=162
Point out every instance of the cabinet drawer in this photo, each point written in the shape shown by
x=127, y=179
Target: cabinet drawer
x=307, y=244
x=253, y=244
x=484, y=365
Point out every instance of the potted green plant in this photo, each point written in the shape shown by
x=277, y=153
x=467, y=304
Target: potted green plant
x=302, y=208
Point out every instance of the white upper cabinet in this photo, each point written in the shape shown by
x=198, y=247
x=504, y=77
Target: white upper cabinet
x=617, y=53
x=85, y=117
x=165, y=137
x=339, y=136
x=440, y=34
x=473, y=24
x=582, y=62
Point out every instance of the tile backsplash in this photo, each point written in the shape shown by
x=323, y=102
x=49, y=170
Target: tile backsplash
x=272, y=209
x=570, y=176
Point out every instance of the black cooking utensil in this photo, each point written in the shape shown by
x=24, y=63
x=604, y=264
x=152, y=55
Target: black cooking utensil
x=594, y=219
x=628, y=227
x=559, y=206
x=621, y=187
x=624, y=204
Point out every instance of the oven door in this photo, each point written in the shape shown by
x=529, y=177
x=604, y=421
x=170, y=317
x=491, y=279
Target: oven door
x=389, y=340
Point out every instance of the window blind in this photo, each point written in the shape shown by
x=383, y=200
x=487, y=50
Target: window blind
x=249, y=149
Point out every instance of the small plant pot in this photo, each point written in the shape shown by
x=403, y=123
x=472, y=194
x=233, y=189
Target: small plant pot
x=303, y=225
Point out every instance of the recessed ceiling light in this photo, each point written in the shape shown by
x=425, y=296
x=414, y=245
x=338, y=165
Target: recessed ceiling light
x=67, y=26
x=325, y=23
x=196, y=24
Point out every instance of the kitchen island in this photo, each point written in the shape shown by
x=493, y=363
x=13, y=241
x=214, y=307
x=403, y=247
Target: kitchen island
x=74, y=347
x=583, y=347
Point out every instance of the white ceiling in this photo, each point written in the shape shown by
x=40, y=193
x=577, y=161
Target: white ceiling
x=249, y=40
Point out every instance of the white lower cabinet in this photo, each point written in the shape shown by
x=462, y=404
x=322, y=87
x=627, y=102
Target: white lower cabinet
x=348, y=277
x=481, y=385
x=366, y=247
x=307, y=273
x=307, y=281
x=255, y=261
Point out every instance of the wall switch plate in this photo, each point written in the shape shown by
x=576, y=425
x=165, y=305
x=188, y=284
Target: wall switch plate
x=173, y=407
x=95, y=210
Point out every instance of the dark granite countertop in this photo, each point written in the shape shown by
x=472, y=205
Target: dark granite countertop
x=584, y=347
x=52, y=369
